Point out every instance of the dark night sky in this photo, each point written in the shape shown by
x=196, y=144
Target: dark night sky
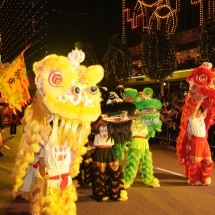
x=68, y=21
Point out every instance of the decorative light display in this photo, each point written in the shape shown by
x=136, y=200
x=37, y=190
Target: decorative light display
x=201, y=12
x=141, y=10
x=118, y=63
x=123, y=23
x=23, y=23
x=211, y=9
x=170, y=17
x=138, y=14
x=206, y=47
x=195, y=1
x=158, y=55
x=135, y=21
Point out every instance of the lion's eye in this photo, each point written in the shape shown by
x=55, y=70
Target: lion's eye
x=55, y=79
x=93, y=89
x=76, y=90
x=203, y=78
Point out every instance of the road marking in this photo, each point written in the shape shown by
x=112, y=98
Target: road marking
x=7, y=147
x=175, y=173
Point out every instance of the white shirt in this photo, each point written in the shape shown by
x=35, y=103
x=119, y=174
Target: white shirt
x=101, y=139
x=58, y=161
x=196, y=126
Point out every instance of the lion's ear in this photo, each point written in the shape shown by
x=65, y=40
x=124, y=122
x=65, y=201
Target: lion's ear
x=94, y=74
x=38, y=67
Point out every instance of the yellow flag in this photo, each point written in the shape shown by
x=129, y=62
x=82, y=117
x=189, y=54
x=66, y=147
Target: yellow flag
x=14, y=83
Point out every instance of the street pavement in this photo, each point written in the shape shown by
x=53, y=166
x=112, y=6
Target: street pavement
x=174, y=197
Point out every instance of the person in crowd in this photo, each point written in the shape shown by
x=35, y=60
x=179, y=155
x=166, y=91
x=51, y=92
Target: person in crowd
x=1, y=130
x=200, y=164
x=174, y=99
x=13, y=120
x=175, y=128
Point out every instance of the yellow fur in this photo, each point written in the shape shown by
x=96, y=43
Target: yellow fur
x=123, y=195
x=72, y=117
x=154, y=183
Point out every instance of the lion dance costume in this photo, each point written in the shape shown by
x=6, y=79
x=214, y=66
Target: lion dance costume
x=111, y=129
x=144, y=126
x=68, y=96
x=198, y=166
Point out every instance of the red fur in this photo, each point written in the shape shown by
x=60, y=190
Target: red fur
x=197, y=90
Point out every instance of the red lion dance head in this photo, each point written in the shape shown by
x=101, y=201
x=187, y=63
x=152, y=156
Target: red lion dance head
x=202, y=86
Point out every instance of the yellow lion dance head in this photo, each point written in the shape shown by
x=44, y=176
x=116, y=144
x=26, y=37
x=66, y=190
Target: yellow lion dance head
x=66, y=93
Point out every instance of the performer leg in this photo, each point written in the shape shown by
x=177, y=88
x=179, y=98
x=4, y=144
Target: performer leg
x=117, y=191
x=99, y=181
x=147, y=169
x=88, y=170
x=131, y=167
x=194, y=173
x=206, y=171
x=206, y=166
x=11, y=129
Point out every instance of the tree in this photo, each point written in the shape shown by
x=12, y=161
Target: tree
x=206, y=45
x=117, y=63
x=90, y=55
x=158, y=55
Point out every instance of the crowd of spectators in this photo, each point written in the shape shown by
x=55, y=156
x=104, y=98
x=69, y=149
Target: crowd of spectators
x=170, y=116
x=189, y=62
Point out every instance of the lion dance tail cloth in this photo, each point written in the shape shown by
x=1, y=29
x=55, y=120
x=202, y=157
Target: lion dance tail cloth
x=58, y=121
x=194, y=155
x=143, y=127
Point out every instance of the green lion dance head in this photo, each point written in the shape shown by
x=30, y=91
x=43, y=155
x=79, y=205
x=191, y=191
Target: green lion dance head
x=146, y=108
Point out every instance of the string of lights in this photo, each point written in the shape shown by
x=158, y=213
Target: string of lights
x=209, y=10
x=201, y=12
x=23, y=23
x=195, y=1
x=123, y=23
x=135, y=21
x=161, y=5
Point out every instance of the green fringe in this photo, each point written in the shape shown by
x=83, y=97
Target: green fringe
x=120, y=149
x=147, y=168
x=131, y=167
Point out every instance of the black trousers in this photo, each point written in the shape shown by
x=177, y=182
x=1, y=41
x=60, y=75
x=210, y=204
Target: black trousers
x=12, y=129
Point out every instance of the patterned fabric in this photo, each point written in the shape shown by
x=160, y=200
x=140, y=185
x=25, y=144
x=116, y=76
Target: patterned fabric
x=198, y=164
x=106, y=173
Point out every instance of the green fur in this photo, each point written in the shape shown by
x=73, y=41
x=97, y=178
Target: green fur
x=148, y=91
x=151, y=103
x=131, y=168
x=120, y=149
x=139, y=149
x=130, y=92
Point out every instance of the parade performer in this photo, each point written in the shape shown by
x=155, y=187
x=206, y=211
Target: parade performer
x=112, y=128
x=68, y=92
x=145, y=125
x=86, y=169
x=192, y=147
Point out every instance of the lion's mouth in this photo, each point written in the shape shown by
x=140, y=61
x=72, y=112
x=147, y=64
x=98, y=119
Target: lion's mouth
x=76, y=99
